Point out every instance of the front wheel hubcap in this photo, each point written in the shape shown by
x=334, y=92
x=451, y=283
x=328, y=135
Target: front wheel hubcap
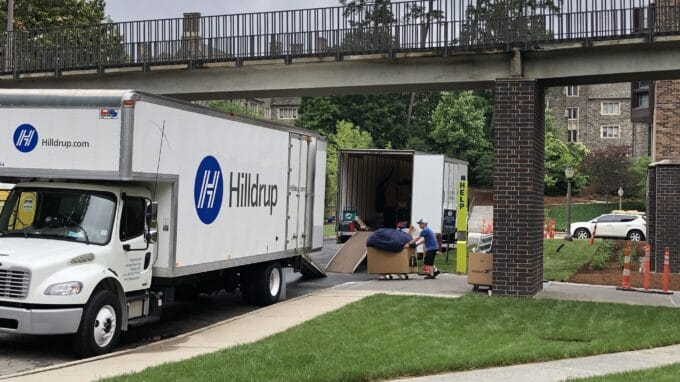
x=274, y=281
x=105, y=326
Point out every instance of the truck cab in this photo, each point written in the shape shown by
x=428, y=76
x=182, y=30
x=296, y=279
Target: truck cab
x=76, y=258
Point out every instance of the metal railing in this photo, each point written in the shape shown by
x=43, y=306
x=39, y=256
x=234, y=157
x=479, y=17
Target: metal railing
x=442, y=26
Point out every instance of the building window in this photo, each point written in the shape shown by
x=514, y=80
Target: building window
x=571, y=113
x=642, y=100
x=572, y=136
x=288, y=113
x=610, y=131
x=610, y=108
x=572, y=91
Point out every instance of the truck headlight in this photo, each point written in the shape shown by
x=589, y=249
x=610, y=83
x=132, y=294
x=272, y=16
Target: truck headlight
x=64, y=289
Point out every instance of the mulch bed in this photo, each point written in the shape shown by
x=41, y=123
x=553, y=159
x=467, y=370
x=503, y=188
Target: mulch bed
x=613, y=274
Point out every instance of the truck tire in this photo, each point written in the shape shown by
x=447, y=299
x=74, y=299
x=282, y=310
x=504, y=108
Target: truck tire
x=262, y=284
x=100, y=325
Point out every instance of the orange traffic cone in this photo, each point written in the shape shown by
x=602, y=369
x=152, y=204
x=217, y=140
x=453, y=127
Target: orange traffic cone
x=625, y=282
x=592, y=237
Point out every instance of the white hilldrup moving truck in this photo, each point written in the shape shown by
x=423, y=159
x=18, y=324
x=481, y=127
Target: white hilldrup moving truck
x=126, y=200
x=385, y=187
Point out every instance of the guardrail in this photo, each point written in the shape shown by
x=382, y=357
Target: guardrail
x=442, y=26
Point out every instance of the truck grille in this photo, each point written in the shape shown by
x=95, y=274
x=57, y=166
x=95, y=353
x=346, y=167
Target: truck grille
x=14, y=283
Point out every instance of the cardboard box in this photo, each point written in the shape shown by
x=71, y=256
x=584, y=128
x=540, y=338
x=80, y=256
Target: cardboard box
x=480, y=269
x=382, y=262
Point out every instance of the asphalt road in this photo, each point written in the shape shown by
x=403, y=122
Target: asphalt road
x=21, y=353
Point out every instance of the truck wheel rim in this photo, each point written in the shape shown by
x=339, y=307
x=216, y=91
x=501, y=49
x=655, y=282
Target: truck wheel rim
x=274, y=281
x=104, y=326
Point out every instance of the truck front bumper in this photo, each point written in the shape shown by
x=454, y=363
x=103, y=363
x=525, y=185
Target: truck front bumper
x=39, y=321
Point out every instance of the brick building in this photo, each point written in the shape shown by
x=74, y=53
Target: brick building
x=597, y=116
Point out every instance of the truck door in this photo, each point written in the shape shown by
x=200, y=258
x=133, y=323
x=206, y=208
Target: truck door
x=135, y=260
x=297, y=192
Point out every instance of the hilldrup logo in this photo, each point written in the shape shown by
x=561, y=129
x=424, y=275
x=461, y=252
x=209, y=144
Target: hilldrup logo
x=25, y=138
x=208, y=190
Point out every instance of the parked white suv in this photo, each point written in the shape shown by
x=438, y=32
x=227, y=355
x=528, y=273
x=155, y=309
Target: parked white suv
x=630, y=226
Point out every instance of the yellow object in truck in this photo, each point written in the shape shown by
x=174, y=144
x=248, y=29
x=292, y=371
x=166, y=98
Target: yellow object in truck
x=3, y=198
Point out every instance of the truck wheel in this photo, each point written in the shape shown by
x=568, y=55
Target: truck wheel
x=263, y=284
x=100, y=325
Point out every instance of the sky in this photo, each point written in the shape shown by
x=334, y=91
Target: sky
x=129, y=10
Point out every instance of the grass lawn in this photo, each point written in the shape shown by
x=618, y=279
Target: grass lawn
x=557, y=266
x=659, y=374
x=585, y=212
x=383, y=337
x=572, y=255
x=329, y=230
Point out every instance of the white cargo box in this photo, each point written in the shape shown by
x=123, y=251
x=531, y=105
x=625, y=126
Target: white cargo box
x=384, y=187
x=231, y=191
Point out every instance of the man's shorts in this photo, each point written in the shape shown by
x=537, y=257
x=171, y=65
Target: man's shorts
x=429, y=257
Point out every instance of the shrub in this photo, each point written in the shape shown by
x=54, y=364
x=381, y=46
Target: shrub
x=636, y=249
x=602, y=256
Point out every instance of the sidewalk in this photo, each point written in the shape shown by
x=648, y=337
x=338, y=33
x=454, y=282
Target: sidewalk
x=264, y=322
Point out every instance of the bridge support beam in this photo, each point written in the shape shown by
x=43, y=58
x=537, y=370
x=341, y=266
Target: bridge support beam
x=519, y=136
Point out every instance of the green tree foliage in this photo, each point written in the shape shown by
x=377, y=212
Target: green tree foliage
x=346, y=136
x=459, y=130
x=235, y=107
x=498, y=22
x=383, y=116
x=611, y=168
x=558, y=156
x=35, y=23
x=370, y=22
x=639, y=171
x=35, y=14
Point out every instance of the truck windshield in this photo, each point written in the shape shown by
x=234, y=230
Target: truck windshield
x=74, y=215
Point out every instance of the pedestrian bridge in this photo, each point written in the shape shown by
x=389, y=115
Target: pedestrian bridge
x=376, y=47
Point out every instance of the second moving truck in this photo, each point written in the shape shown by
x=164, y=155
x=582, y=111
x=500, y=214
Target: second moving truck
x=125, y=200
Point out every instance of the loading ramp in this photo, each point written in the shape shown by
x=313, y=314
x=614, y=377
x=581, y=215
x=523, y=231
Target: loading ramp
x=348, y=258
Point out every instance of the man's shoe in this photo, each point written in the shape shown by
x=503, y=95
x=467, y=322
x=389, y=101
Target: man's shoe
x=436, y=272
x=429, y=277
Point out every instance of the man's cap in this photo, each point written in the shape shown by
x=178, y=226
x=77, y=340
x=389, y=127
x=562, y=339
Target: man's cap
x=422, y=221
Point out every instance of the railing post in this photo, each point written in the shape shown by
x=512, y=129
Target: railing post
x=57, y=55
x=651, y=22
x=446, y=39
x=100, y=55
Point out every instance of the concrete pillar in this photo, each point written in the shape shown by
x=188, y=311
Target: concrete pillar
x=519, y=136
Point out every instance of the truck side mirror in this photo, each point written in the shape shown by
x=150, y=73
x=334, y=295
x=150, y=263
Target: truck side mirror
x=152, y=236
x=152, y=214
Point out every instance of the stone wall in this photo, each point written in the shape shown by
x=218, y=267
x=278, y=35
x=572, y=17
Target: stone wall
x=589, y=104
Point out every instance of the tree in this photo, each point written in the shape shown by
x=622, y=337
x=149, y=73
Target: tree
x=459, y=123
x=493, y=22
x=639, y=172
x=235, y=107
x=559, y=156
x=370, y=22
x=346, y=137
x=87, y=40
x=611, y=168
x=383, y=116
